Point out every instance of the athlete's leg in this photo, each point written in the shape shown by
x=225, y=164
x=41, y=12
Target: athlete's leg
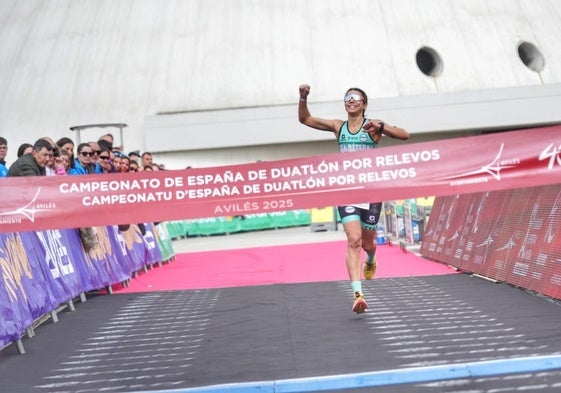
x=350, y=218
x=369, y=222
x=354, y=240
x=369, y=243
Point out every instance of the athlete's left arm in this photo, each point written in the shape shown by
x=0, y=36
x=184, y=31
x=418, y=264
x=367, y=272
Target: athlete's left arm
x=377, y=127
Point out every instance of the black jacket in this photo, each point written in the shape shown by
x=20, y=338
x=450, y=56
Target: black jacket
x=26, y=166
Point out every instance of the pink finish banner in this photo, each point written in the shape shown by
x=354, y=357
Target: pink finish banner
x=491, y=162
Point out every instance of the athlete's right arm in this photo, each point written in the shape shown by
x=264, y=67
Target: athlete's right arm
x=305, y=117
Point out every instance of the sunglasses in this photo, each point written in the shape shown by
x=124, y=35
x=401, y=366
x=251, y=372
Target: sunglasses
x=87, y=153
x=104, y=157
x=352, y=96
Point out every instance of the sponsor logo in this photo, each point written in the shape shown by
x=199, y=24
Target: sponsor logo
x=28, y=211
x=552, y=154
x=493, y=169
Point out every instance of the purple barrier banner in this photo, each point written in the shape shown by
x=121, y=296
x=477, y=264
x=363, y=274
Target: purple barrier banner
x=40, y=270
x=134, y=247
x=14, y=268
x=97, y=261
x=13, y=322
x=153, y=252
x=118, y=267
x=91, y=277
x=39, y=298
x=57, y=265
x=128, y=262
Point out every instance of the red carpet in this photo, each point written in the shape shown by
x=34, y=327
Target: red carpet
x=298, y=263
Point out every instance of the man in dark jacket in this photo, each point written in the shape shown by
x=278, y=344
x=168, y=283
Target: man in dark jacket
x=33, y=164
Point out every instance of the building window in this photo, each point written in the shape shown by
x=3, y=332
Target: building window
x=429, y=61
x=531, y=56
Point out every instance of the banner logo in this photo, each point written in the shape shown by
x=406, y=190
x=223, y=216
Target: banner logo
x=494, y=169
x=28, y=211
x=554, y=155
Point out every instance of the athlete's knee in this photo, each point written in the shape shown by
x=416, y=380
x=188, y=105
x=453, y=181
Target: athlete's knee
x=354, y=240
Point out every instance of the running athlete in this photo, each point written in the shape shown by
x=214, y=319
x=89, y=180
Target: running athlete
x=359, y=221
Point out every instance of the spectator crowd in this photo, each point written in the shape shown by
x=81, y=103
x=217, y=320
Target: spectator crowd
x=47, y=158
